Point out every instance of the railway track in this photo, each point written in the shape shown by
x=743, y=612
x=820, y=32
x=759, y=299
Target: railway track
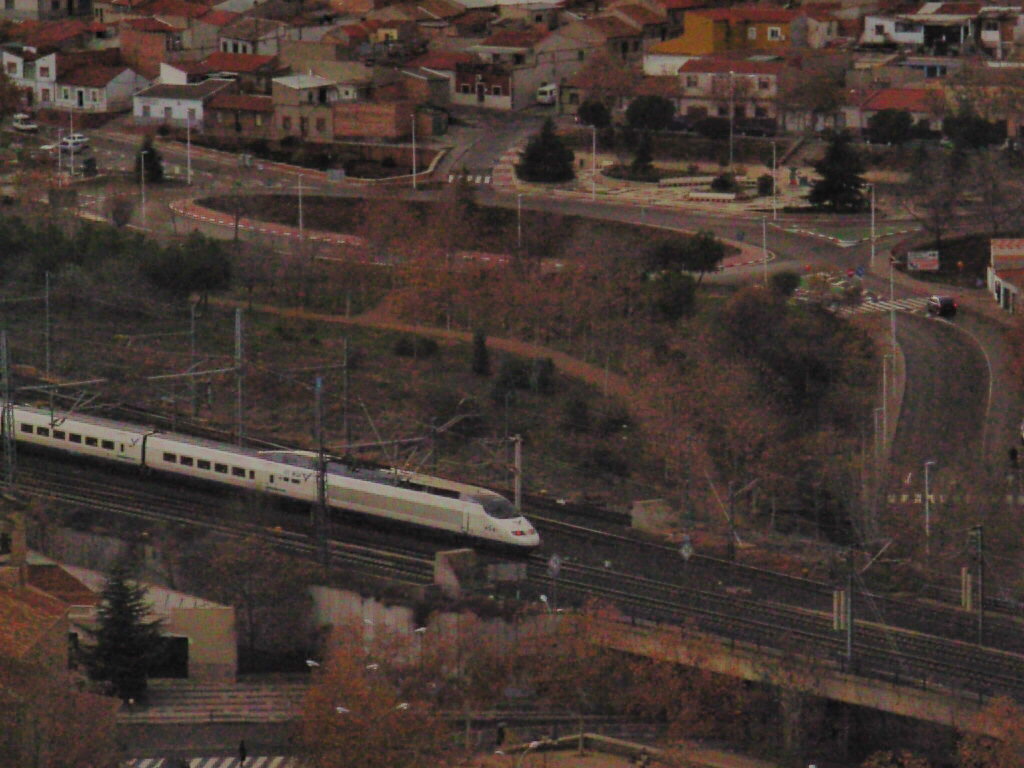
x=189, y=508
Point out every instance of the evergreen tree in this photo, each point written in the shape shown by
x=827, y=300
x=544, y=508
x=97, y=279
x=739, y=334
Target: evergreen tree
x=840, y=187
x=126, y=645
x=154, y=168
x=546, y=158
x=481, y=358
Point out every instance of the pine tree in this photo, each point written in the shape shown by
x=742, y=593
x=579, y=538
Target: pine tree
x=546, y=158
x=841, y=185
x=126, y=645
x=154, y=168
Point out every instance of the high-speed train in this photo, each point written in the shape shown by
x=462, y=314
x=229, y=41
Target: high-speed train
x=391, y=494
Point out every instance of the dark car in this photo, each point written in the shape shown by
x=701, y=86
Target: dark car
x=942, y=306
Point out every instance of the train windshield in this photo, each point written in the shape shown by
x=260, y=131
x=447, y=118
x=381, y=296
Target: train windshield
x=496, y=506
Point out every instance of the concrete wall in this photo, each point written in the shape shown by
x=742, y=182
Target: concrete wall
x=212, y=641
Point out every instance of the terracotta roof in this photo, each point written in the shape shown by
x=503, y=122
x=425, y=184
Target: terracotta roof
x=57, y=582
x=249, y=28
x=909, y=99
x=754, y=13
x=1006, y=246
x=26, y=614
x=219, y=61
x=191, y=91
x=242, y=102
x=516, y=38
x=174, y=8
x=91, y=76
x=611, y=26
x=723, y=65
x=445, y=60
x=1013, y=276
x=52, y=33
x=218, y=18
x=639, y=14
x=149, y=25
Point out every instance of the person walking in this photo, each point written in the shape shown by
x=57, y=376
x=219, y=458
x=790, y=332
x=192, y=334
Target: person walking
x=242, y=753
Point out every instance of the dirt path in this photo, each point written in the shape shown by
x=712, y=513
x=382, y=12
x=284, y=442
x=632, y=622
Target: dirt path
x=610, y=383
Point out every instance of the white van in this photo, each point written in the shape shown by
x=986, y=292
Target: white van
x=547, y=94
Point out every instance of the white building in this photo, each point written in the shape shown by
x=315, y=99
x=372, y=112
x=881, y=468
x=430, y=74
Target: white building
x=176, y=104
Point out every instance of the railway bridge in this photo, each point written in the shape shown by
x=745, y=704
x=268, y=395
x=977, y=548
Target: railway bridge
x=800, y=673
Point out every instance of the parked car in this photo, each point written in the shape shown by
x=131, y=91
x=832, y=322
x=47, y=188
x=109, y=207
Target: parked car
x=942, y=306
x=24, y=123
x=74, y=142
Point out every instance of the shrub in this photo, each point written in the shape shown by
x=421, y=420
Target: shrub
x=414, y=346
x=724, y=182
x=785, y=283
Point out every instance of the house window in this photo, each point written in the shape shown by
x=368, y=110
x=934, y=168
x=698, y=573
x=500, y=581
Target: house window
x=496, y=90
x=465, y=88
x=44, y=71
x=224, y=46
x=879, y=29
x=145, y=110
x=167, y=113
x=94, y=95
x=321, y=125
x=191, y=114
x=763, y=83
x=774, y=33
x=518, y=59
x=752, y=33
x=64, y=93
x=691, y=81
x=286, y=123
x=45, y=94
x=624, y=47
x=12, y=68
x=538, y=18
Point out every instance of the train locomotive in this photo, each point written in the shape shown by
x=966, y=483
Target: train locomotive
x=390, y=494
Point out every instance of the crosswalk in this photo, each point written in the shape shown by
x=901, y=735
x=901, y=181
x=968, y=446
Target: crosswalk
x=279, y=761
x=470, y=178
x=915, y=304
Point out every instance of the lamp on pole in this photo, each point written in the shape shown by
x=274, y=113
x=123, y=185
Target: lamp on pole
x=593, y=162
x=775, y=186
x=414, y=150
x=732, y=112
x=927, y=508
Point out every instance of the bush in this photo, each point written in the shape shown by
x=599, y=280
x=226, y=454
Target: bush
x=576, y=417
x=414, y=346
x=784, y=283
x=724, y=182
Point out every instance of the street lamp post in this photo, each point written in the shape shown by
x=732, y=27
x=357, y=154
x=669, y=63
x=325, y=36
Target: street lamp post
x=732, y=112
x=927, y=508
x=593, y=162
x=519, y=222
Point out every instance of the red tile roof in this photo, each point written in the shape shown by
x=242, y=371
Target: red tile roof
x=725, y=64
x=149, y=25
x=91, y=76
x=26, y=615
x=516, y=38
x=447, y=60
x=218, y=18
x=611, y=26
x=51, y=33
x=639, y=14
x=242, y=102
x=219, y=61
x=909, y=99
x=750, y=13
x=174, y=8
x=58, y=583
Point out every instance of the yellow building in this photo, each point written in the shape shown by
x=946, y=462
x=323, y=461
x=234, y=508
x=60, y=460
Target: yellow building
x=740, y=28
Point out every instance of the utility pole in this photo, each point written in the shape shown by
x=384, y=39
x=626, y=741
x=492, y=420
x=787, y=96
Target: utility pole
x=192, y=358
x=977, y=533
x=517, y=468
x=10, y=460
x=46, y=304
x=240, y=374
x=320, y=526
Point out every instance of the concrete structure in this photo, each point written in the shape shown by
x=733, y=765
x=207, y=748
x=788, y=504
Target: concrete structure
x=1005, y=275
x=304, y=107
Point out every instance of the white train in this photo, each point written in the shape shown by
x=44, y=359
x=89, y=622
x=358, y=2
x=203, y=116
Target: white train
x=393, y=494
